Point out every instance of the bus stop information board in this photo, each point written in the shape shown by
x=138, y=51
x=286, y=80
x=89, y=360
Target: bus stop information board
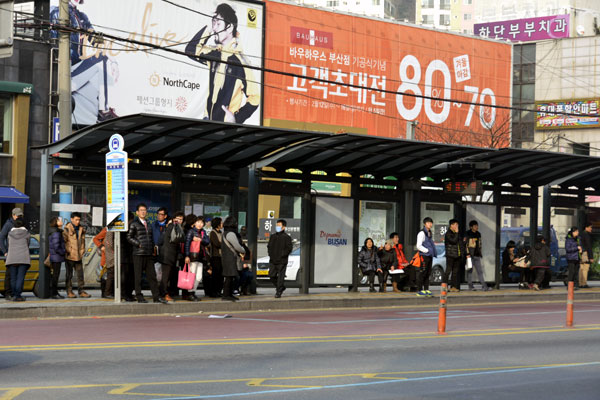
x=116, y=185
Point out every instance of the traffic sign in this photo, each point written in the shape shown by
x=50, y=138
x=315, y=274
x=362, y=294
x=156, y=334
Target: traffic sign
x=116, y=185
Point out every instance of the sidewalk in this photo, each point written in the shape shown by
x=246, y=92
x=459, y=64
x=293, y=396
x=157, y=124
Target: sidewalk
x=319, y=298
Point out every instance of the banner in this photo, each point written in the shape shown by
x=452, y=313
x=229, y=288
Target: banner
x=396, y=73
x=112, y=78
x=334, y=246
x=584, y=114
x=526, y=30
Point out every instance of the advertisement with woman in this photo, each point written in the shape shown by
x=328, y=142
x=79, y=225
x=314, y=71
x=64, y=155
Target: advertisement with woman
x=209, y=74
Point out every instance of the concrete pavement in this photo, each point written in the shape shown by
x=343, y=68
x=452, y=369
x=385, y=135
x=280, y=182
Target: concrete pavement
x=319, y=298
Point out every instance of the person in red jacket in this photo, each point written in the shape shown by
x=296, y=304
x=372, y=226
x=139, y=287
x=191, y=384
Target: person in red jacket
x=399, y=280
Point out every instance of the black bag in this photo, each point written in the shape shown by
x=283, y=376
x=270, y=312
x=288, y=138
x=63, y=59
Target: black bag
x=177, y=235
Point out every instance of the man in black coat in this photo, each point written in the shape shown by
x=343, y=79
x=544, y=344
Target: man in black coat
x=587, y=255
x=454, y=254
x=279, y=247
x=140, y=237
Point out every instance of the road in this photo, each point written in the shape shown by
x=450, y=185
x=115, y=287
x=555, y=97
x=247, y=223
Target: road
x=503, y=351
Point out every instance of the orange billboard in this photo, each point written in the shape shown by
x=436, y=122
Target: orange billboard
x=345, y=73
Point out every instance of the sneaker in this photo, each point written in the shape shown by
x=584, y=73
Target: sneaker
x=277, y=295
x=472, y=289
x=160, y=300
x=422, y=293
x=19, y=298
x=84, y=295
x=141, y=300
x=169, y=299
x=71, y=295
x=536, y=287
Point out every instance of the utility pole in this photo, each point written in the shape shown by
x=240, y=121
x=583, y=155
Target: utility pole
x=410, y=129
x=64, y=71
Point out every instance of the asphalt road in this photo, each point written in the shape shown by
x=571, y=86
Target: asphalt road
x=490, y=352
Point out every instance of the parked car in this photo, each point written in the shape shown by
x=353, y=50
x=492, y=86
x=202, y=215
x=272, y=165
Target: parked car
x=31, y=277
x=438, y=265
x=291, y=273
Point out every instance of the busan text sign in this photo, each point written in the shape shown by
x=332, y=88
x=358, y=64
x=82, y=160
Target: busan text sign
x=526, y=30
x=345, y=73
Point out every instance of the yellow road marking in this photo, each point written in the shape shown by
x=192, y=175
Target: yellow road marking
x=233, y=342
x=12, y=393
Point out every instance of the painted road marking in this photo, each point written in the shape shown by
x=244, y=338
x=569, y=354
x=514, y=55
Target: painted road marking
x=379, y=378
x=258, y=341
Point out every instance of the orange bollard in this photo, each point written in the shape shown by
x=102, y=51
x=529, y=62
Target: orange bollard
x=570, y=297
x=442, y=314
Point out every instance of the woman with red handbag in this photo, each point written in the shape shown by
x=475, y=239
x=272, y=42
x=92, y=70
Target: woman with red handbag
x=195, y=255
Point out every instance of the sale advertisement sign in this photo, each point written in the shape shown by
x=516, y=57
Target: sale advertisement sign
x=344, y=73
x=580, y=113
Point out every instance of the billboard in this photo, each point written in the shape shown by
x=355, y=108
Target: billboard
x=112, y=78
x=345, y=73
x=582, y=113
x=527, y=29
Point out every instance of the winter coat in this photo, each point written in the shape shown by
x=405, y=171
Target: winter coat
x=74, y=242
x=99, y=242
x=388, y=259
x=109, y=250
x=230, y=258
x=586, y=244
x=539, y=256
x=402, y=261
x=216, y=242
x=368, y=260
x=454, y=246
x=279, y=248
x=8, y=225
x=56, y=245
x=426, y=243
x=18, y=247
x=571, y=244
x=169, y=251
x=472, y=242
x=204, y=242
x=140, y=237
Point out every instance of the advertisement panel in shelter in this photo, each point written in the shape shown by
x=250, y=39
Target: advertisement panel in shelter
x=345, y=73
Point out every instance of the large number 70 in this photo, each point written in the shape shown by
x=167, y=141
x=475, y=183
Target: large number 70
x=411, y=84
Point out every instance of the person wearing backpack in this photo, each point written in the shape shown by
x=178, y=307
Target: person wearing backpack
x=169, y=244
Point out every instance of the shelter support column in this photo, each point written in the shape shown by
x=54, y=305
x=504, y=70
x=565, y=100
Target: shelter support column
x=354, y=190
x=498, y=238
x=546, y=212
x=306, y=238
x=45, y=210
x=252, y=216
x=581, y=211
x=534, y=215
x=176, y=189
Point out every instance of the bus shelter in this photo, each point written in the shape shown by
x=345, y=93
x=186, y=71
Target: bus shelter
x=337, y=188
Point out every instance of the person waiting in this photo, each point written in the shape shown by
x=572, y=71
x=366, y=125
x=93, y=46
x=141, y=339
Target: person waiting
x=389, y=261
x=539, y=256
x=369, y=262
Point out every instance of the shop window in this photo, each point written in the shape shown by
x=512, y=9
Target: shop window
x=6, y=114
x=582, y=149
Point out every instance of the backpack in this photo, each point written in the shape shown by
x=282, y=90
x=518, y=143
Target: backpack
x=177, y=235
x=417, y=260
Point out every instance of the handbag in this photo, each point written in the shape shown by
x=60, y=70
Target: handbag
x=177, y=235
x=47, y=262
x=186, y=279
x=195, y=246
x=469, y=265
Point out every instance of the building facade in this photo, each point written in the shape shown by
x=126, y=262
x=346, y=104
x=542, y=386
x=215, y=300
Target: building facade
x=400, y=10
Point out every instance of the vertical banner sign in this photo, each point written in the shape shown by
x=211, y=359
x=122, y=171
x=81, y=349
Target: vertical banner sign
x=116, y=185
x=333, y=241
x=355, y=74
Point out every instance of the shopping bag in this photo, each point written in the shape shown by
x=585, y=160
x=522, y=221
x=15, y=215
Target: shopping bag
x=186, y=279
x=469, y=265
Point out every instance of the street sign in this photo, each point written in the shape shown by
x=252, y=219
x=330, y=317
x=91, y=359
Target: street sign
x=116, y=185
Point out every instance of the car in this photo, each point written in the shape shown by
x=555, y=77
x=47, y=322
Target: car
x=31, y=277
x=438, y=265
x=291, y=273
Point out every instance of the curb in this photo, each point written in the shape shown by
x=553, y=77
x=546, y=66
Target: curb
x=44, y=309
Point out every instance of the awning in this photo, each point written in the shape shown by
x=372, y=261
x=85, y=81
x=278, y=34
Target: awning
x=9, y=194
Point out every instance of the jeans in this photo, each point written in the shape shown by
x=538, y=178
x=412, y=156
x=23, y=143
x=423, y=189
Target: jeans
x=17, y=278
x=477, y=267
x=423, y=273
x=78, y=267
x=7, y=283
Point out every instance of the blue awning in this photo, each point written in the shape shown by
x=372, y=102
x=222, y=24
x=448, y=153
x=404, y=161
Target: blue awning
x=11, y=195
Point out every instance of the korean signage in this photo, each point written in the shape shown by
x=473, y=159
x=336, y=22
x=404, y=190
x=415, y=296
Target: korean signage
x=568, y=114
x=111, y=78
x=464, y=187
x=334, y=246
x=351, y=74
x=266, y=228
x=116, y=185
x=526, y=30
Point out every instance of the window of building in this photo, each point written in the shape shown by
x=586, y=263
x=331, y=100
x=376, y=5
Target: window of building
x=376, y=2
x=427, y=19
x=523, y=93
x=444, y=4
x=427, y=4
x=444, y=19
x=468, y=2
x=332, y=3
x=582, y=149
x=6, y=124
x=467, y=17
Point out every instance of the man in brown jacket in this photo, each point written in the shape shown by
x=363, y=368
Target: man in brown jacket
x=74, y=235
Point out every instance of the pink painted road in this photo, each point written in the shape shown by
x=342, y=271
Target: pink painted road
x=292, y=324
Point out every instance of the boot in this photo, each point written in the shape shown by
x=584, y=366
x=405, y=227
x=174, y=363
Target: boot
x=372, y=287
x=382, y=288
x=395, y=287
